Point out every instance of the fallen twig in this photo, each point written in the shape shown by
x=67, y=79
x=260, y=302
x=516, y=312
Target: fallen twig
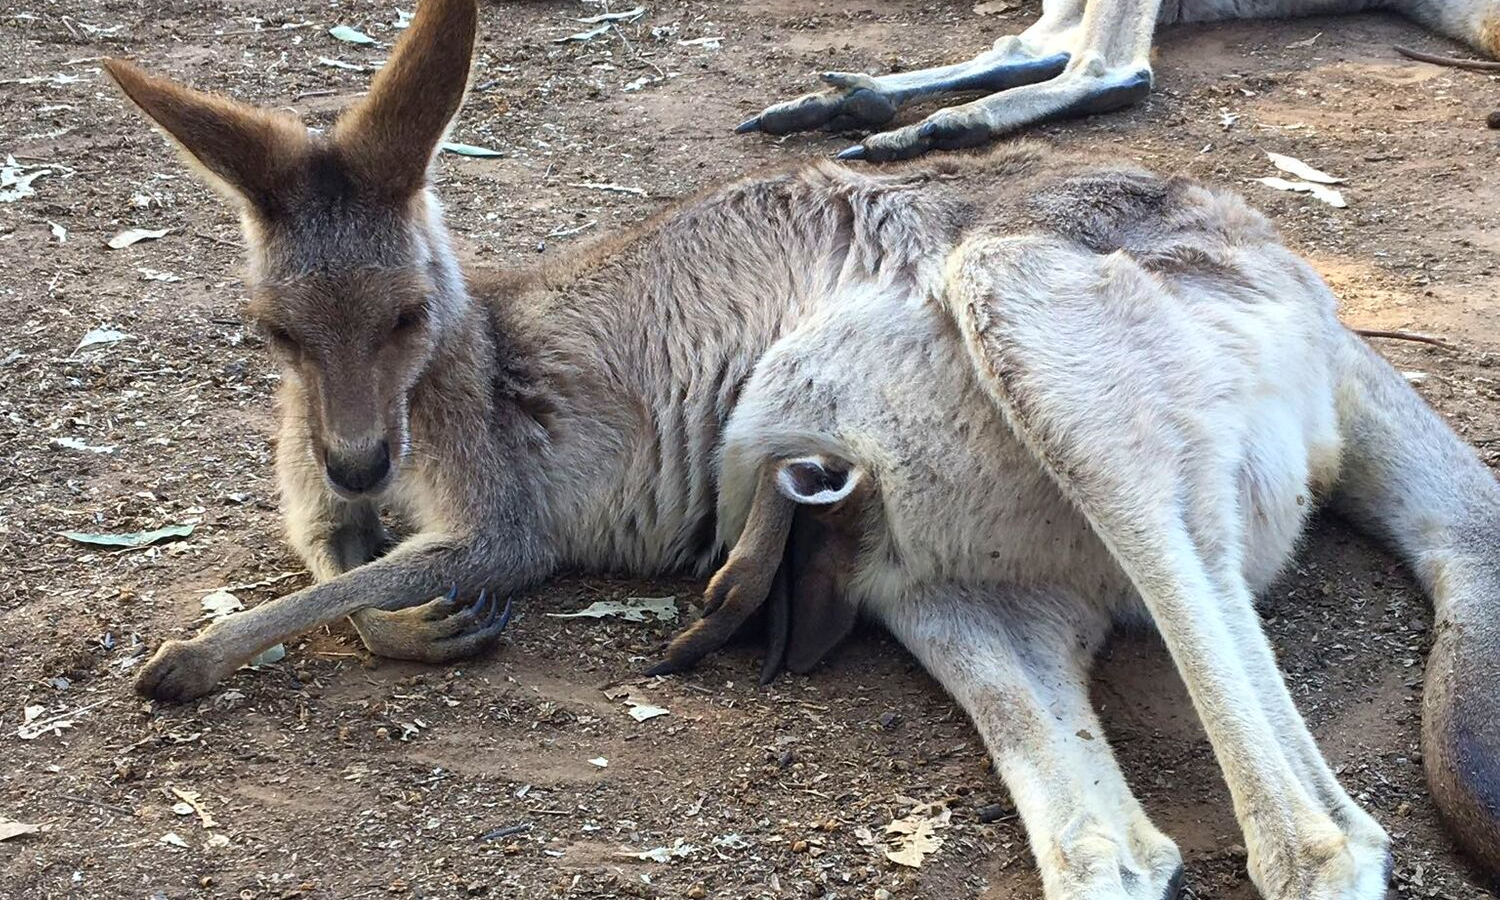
x=1404, y=336
x=1477, y=65
x=605, y=186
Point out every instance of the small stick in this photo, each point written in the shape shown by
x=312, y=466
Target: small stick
x=1404, y=336
x=99, y=803
x=1477, y=65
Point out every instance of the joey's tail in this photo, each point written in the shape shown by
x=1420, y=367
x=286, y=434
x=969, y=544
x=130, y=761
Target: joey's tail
x=1408, y=479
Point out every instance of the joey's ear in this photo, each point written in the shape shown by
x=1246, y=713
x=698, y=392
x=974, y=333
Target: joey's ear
x=247, y=154
x=817, y=480
x=389, y=138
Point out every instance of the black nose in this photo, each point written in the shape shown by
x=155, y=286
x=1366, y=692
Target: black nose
x=359, y=469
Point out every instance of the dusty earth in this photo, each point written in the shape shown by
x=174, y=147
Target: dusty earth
x=329, y=774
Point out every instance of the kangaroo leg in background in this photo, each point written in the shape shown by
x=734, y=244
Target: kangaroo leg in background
x=857, y=101
x=1109, y=67
x=1407, y=479
x=1018, y=663
x=1073, y=347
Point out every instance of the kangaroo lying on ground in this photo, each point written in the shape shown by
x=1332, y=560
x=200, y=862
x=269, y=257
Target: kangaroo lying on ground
x=1013, y=398
x=1081, y=57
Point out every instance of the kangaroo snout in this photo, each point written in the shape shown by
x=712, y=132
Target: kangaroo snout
x=359, y=468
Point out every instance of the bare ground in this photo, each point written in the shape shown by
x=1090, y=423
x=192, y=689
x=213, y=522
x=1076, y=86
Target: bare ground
x=330, y=774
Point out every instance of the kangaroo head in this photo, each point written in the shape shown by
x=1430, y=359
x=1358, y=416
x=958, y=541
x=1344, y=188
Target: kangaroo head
x=350, y=273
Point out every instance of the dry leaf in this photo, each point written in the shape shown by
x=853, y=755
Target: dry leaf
x=599, y=761
x=219, y=604
x=1326, y=194
x=194, y=803
x=1294, y=166
x=10, y=830
x=912, y=838
x=99, y=336
x=995, y=7
x=136, y=235
x=633, y=609
x=641, y=712
x=174, y=839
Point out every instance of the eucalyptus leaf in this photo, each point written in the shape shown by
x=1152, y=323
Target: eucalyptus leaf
x=351, y=35
x=130, y=539
x=470, y=150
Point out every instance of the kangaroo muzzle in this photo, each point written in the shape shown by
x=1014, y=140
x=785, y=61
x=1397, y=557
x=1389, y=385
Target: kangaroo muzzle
x=359, y=468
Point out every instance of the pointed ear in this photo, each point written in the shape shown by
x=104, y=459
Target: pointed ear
x=390, y=136
x=247, y=154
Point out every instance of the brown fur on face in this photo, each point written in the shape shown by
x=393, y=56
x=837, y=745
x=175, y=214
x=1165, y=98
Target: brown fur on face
x=349, y=277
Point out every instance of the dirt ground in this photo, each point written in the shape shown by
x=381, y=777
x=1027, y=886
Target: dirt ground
x=329, y=774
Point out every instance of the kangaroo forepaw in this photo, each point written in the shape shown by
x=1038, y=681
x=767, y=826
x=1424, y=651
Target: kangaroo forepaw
x=179, y=671
x=440, y=631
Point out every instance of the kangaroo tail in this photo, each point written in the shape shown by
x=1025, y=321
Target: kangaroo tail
x=1409, y=480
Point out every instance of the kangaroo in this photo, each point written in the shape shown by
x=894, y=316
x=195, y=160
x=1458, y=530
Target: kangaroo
x=995, y=403
x=1080, y=58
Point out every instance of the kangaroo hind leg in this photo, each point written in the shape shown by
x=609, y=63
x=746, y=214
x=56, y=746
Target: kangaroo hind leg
x=1134, y=400
x=1017, y=661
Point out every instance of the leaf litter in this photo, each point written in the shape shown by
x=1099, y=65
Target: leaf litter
x=909, y=840
x=632, y=609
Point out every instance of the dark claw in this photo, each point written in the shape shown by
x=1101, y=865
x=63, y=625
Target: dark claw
x=478, y=605
x=858, y=151
x=504, y=617
x=747, y=126
x=662, y=668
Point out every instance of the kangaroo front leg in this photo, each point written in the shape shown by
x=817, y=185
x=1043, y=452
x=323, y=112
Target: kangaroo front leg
x=413, y=572
x=1017, y=662
x=1109, y=68
x=334, y=535
x=857, y=101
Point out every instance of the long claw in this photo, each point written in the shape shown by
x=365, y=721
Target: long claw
x=477, y=607
x=747, y=126
x=504, y=617
x=858, y=151
x=662, y=668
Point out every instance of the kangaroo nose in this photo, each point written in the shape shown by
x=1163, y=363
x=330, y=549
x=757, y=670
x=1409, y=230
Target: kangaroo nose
x=359, y=469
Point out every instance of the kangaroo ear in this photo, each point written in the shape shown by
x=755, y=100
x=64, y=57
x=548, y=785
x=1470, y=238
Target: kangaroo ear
x=390, y=136
x=243, y=152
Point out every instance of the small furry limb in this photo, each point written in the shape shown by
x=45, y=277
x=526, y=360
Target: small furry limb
x=742, y=585
x=1453, y=62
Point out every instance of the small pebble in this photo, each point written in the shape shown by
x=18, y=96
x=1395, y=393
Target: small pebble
x=994, y=812
x=1494, y=120
x=799, y=847
x=890, y=719
x=697, y=892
